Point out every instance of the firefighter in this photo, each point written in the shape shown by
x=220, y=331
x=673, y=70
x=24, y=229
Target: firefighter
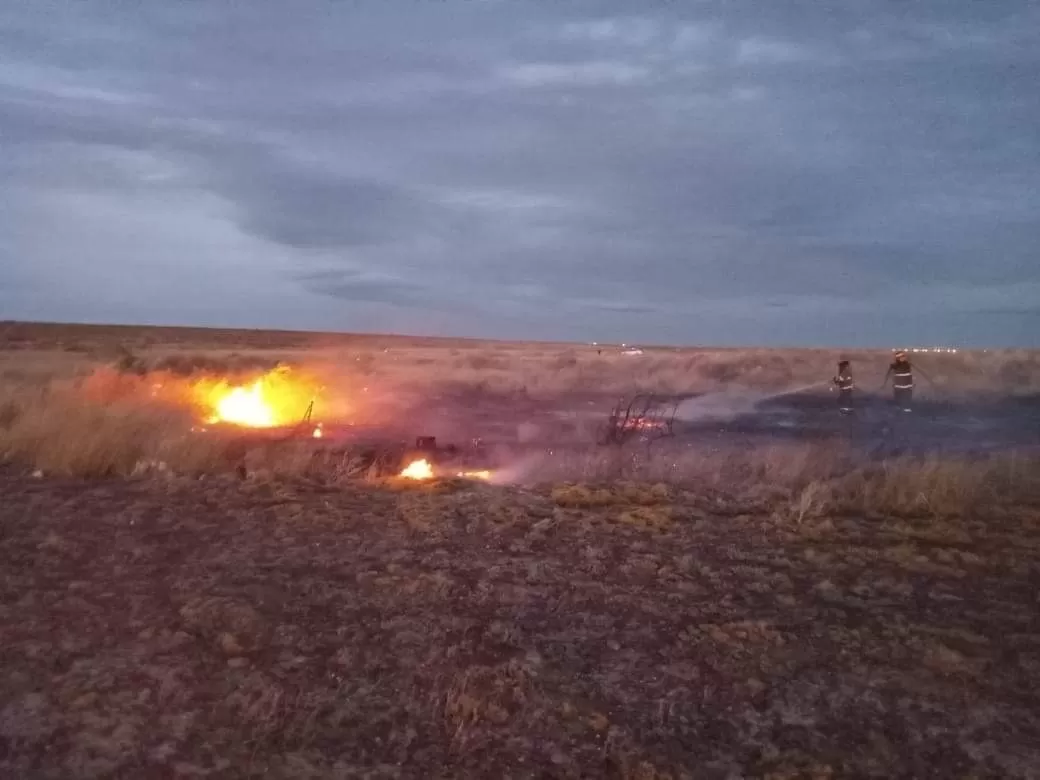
x=902, y=373
x=843, y=381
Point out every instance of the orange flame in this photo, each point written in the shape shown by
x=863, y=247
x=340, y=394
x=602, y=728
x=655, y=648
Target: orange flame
x=483, y=474
x=276, y=398
x=641, y=423
x=418, y=469
x=245, y=406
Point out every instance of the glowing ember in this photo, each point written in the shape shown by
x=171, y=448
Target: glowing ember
x=318, y=432
x=643, y=424
x=277, y=398
x=418, y=469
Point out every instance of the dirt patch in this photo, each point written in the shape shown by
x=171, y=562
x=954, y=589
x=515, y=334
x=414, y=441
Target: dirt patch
x=228, y=629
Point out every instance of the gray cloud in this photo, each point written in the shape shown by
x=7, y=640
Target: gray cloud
x=357, y=286
x=305, y=207
x=714, y=172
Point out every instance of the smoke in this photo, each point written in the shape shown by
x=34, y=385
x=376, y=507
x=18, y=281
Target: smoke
x=516, y=472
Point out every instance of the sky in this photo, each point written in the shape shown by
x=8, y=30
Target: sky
x=738, y=172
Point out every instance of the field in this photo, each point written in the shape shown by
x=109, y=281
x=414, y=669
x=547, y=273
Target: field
x=772, y=590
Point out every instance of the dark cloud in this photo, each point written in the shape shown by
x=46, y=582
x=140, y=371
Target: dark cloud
x=309, y=208
x=356, y=286
x=746, y=172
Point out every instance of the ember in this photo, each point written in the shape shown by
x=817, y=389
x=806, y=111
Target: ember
x=418, y=469
x=642, y=415
x=643, y=424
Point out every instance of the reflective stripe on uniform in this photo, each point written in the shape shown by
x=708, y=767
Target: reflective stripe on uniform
x=904, y=387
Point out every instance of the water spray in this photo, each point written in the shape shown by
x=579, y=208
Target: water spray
x=725, y=405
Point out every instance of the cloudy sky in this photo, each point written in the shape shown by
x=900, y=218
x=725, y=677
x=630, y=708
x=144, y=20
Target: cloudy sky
x=729, y=172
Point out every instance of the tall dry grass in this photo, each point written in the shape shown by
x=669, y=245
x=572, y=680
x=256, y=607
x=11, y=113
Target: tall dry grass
x=59, y=432
x=70, y=412
x=540, y=370
x=110, y=423
x=806, y=480
x=62, y=431
x=548, y=372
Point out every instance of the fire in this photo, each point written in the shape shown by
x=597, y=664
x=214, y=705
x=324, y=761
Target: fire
x=245, y=406
x=418, y=469
x=482, y=474
x=643, y=424
x=276, y=398
x=422, y=469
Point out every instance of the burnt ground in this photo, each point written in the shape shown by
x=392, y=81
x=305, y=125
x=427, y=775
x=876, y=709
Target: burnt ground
x=245, y=629
x=876, y=429
x=878, y=426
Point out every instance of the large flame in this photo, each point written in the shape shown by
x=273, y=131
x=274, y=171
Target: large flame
x=276, y=398
x=418, y=469
x=245, y=406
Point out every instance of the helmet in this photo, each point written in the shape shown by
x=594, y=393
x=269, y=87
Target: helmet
x=900, y=354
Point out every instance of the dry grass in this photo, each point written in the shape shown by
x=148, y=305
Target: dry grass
x=804, y=480
x=65, y=411
x=793, y=610
x=72, y=431
x=540, y=370
x=178, y=628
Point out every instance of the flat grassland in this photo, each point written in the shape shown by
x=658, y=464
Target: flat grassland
x=840, y=599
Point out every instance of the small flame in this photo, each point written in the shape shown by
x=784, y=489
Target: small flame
x=643, y=424
x=482, y=474
x=318, y=432
x=418, y=469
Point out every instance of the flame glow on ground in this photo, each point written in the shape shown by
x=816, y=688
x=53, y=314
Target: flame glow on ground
x=418, y=469
x=423, y=469
x=279, y=397
x=482, y=474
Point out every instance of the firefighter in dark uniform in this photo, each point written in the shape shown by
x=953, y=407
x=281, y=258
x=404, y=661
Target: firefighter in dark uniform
x=843, y=381
x=902, y=373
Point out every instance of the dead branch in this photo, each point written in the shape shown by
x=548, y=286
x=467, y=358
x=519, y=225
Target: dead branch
x=643, y=416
